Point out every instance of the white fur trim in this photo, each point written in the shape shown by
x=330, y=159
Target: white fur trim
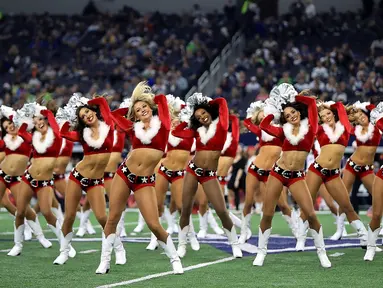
x=12, y=144
x=173, y=140
x=317, y=146
x=207, y=134
x=303, y=129
x=366, y=136
x=42, y=146
x=194, y=146
x=63, y=144
x=266, y=137
x=146, y=136
x=103, y=130
x=361, y=105
x=333, y=135
x=229, y=139
x=115, y=137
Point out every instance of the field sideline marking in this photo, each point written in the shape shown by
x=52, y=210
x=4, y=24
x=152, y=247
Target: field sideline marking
x=158, y=275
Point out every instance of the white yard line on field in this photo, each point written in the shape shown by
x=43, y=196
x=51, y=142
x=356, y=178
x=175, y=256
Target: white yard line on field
x=158, y=275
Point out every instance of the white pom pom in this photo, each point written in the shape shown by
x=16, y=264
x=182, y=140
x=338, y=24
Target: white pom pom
x=186, y=113
x=361, y=105
x=376, y=113
x=19, y=119
x=254, y=107
x=7, y=111
x=126, y=103
x=283, y=93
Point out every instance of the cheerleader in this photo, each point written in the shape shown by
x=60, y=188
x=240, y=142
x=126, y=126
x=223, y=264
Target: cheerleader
x=172, y=169
x=13, y=166
x=360, y=164
x=37, y=179
x=374, y=227
x=300, y=124
x=95, y=133
x=209, y=121
x=148, y=132
x=333, y=135
x=270, y=148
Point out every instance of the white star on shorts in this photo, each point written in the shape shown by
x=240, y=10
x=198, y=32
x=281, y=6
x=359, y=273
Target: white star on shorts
x=276, y=169
x=252, y=166
x=75, y=174
x=162, y=168
x=144, y=180
x=18, y=178
x=351, y=163
x=367, y=167
x=52, y=182
x=27, y=176
x=180, y=173
x=96, y=182
x=316, y=165
x=45, y=183
x=211, y=173
x=191, y=165
x=102, y=180
x=299, y=174
x=152, y=178
x=124, y=169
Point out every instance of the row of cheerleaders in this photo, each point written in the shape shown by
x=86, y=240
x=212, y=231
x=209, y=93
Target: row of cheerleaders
x=37, y=143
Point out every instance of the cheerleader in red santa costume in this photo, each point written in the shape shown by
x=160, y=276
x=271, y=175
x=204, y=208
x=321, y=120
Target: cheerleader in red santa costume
x=171, y=170
x=209, y=120
x=95, y=133
x=360, y=164
x=17, y=153
x=270, y=148
x=38, y=178
x=374, y=227
x=225, y=162
x=333, y=135
x=136, y=174
x=300, y=123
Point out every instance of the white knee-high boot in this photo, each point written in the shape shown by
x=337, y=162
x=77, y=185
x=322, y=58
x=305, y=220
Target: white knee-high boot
x=119, y=250
x=57, y=231
x=18, y=239
x=106, y=254
x=233, y=241
x=83, y=221
x=121, y=231
x=140, y=224
x=170, y=251
x=192, y=235
x=213, y=223
x=293, y=226
x=245, y=229
x=371, y=243
x=36, y=228
x=203, y=225
x=263, y=240
x=339, y=227
x=65, y=247
x=175, y=221
x=301, y=234
x=361, y=231
x=169, y=220
x=236, y=221
x=321, y=249
x=58, y=213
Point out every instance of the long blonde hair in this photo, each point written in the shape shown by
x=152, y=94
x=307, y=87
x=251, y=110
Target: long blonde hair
x=143, y=93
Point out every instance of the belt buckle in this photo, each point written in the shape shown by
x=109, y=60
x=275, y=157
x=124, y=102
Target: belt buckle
x=169, y=173
x=34, y=183
x=84, y=182
x=7, y=178
x=325, y=171
x=131, y=177
x=198, y=172
x=287, y=174
x=261, y=172
x=357, y=168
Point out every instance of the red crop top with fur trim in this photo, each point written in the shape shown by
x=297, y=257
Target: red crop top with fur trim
x=371, y=137
x=118, y=141
x=304, y=140
x=265, y=139
x=175, y=143
x=326, y=135
x=158, y=130
x=17, y=146
x=232, y=139
x=66, y=148
x=213, y=137
x=51, y=145
x=104, y=143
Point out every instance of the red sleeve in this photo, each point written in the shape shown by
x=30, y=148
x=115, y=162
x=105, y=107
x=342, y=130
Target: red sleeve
x=163, y=110
x=252, y=127
x=2, y=144
x=234, y=127
x=70, y=135
x=181, y=132
x=270, y=129
x=312, y=111
x=223, y=111
x=342, y=114
x=104, y=109
x=23, y=133
x=51, y=120
x=379, y=124
x=119, y=117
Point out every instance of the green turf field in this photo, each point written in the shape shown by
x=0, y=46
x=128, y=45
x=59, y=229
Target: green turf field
x=34, y=267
